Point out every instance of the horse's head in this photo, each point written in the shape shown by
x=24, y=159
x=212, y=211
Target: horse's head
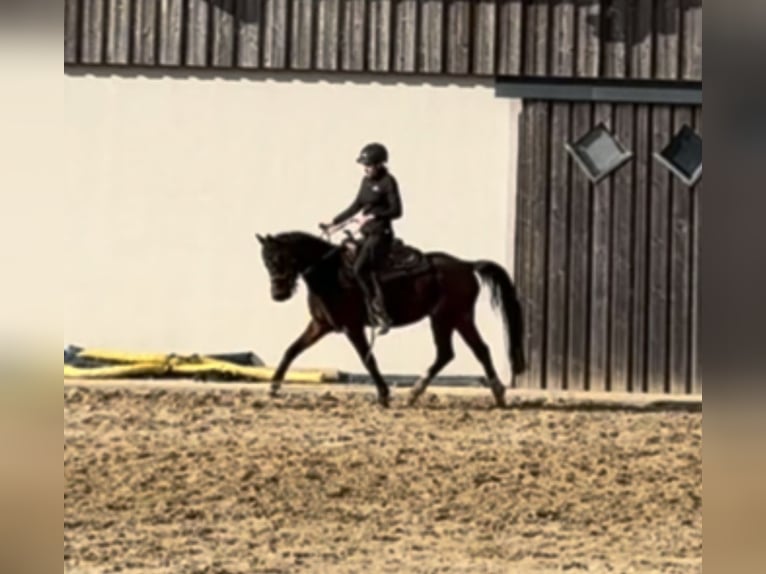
x=287, y=256
x=282, y=264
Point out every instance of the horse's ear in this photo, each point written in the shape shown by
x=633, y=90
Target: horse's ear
x=260, y=238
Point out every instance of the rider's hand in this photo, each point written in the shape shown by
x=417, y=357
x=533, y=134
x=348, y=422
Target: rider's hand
x=325, y=226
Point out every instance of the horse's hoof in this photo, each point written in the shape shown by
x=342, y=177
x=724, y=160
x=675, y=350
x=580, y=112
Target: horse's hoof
x=414, y=398
x=498, y=391
x=384, y=402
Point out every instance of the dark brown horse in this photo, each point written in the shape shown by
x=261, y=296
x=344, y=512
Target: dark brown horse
x=438, y=286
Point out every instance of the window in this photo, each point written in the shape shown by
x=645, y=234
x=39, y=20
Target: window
x=598, y=153
x=683, y=156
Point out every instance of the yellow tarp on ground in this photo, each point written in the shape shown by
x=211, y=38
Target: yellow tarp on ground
x=121, y=365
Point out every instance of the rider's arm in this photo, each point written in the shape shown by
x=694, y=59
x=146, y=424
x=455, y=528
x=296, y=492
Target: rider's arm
x=349, y=212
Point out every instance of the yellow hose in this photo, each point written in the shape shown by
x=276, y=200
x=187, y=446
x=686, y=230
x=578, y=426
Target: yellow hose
x=117, y=371
x=156, y=364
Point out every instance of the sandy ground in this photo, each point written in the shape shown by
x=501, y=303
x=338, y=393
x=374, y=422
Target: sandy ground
x=217, y=479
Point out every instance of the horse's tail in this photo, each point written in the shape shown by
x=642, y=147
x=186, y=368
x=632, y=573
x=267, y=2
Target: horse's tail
x=504, y=296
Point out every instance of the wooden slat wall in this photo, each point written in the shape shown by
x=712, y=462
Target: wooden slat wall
x=607, y=272
x=381, y=17
x=600, y=255
x=354, y=35
x=118, y=31
x=406, y=35
x=328, y=31
x=302, y=34
x=197, y=33
x=92, y=31
x=696, y=225
x=578, y=240
x=71, y=31
x=145, y=32
x=249, y=32
x=565, y=38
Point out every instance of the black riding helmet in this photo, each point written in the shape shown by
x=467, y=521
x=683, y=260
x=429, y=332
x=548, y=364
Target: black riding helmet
x=373, y=154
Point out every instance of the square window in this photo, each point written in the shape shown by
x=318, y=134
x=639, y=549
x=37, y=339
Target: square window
x=598, y=153
x=683, y=156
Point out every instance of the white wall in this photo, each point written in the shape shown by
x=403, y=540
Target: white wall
x=168, y=179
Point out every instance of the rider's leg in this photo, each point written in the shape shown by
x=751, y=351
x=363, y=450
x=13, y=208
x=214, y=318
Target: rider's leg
x=362, y=268
x=380, y=304
x=380, y=249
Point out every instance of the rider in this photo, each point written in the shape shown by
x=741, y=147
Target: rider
x=379, y=201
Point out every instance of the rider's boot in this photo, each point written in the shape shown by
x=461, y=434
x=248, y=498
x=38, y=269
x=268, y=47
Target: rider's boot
x=372, y=313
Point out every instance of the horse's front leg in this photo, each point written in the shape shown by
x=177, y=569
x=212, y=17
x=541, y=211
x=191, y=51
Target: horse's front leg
x=359, y=341
x=311, y=335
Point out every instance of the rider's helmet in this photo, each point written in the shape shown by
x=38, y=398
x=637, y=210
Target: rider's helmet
x=373, y=154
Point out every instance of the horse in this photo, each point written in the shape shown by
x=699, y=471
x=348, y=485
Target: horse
x=415, y=284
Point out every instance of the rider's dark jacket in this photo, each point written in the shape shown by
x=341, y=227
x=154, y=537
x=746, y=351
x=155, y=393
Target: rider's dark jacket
x=378, y=196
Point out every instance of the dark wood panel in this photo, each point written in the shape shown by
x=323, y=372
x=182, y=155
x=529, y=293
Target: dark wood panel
x=680, y=273
x=622, y=218
x=72, y=31
x=118, y=31
x=431, y=53
x=511, y=19
x=249, y=19
x=691, y=59
x=579, y=255
x=406, y=50
x=92, y=31
x=588, y=38
x=694, y=301
x=484, y=37
x=539, y=222
x=556, y=325
x=536, y=46
x=171, y=27
x=224, y=37
x=301, y=34
x=643, y=164
x=564, y=39
x=458, y=36
x=607, y=272
x=328, y=32
x=615, y=33
x=658, y=257
x=275, y=33
x=598, y=358
x=145, y=32
x=523, y=257
x=667, y=39
x=197, y=37
x=353, y=38
x=380, y=46
x=642, y=43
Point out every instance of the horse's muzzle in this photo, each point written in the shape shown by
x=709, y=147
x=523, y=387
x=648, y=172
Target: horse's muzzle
x=282, y=290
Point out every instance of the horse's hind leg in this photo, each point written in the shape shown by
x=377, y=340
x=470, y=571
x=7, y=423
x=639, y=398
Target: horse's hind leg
x=442, y=328
x=470, y=334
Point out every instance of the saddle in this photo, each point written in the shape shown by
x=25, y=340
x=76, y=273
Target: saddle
x=402, y=259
